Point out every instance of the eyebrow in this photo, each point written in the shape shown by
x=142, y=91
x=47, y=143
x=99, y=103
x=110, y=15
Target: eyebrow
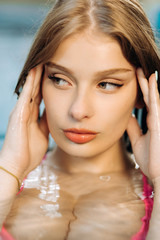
x=100, y=74
x=54, y=65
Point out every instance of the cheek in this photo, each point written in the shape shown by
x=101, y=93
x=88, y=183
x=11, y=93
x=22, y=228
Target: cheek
x=125, y=110
x=117, y=110
x=52, y=110
x=49, y=104
x=55, y=106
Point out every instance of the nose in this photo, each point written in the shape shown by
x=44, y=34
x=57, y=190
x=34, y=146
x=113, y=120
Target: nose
x=81, y=107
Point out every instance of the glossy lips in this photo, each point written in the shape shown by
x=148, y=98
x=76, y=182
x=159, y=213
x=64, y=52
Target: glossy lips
x=79, y=135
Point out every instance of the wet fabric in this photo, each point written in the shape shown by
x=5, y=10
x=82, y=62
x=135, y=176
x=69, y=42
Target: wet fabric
x=148, y=201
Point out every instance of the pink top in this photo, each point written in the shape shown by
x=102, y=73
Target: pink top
x=148, y=201
x=141, y=235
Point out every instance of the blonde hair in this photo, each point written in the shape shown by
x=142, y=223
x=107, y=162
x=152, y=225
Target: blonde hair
x=124, y=20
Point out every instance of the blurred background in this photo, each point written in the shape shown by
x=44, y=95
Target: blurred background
x=19, y=21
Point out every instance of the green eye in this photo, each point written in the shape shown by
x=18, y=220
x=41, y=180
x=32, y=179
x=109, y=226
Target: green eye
x=109, y=86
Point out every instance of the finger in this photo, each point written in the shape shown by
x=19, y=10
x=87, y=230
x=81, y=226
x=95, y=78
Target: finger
x=143, y=82
x=134, y=131
x=37, y=82
x=36, y=95
x=44, y=125
x=153, y=91
x=22, y=107
x=34, y=113
x=154, y=104
x=27, y=91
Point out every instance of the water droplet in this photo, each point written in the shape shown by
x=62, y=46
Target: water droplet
x=134, y=160
x=105, y=178
x=44, y=179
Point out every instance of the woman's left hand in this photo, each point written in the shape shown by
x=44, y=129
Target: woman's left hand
x=146, y=148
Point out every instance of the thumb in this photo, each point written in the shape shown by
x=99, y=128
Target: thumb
x=134, y=131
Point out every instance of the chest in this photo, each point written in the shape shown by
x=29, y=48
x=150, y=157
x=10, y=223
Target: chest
x=76, y=207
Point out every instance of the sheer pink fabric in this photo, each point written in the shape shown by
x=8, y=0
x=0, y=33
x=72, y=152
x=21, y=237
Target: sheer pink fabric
x=148, y=201
x=4, y=235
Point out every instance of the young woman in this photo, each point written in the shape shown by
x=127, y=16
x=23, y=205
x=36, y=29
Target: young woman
x=92, y=63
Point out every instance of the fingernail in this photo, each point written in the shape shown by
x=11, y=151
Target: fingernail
x=156, y=75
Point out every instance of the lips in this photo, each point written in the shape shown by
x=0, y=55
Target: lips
x=80, y=135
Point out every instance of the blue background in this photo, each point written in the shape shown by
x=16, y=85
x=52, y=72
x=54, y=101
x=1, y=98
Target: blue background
x=18, y=24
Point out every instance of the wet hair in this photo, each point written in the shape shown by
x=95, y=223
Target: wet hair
x=123, y=20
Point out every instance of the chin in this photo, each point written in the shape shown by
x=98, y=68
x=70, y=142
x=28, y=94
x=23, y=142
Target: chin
x=86, y=150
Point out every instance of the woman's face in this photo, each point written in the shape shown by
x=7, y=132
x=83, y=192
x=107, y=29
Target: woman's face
x=88, y=85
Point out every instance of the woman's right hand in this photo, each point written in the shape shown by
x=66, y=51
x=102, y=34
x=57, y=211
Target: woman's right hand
x=26, y=139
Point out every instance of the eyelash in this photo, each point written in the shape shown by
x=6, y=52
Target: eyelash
x=114, y=85
x=56, y=79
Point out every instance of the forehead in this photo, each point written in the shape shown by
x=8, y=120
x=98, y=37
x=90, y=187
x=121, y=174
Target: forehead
x=90, y=52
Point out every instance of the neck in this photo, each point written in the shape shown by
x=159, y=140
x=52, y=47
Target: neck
x=112, y=160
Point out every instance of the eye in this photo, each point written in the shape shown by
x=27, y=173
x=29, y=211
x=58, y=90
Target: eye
x=60, y=82
x=109, y=86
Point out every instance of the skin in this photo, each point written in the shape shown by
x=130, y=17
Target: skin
x=86, y=101
x=27, y=139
